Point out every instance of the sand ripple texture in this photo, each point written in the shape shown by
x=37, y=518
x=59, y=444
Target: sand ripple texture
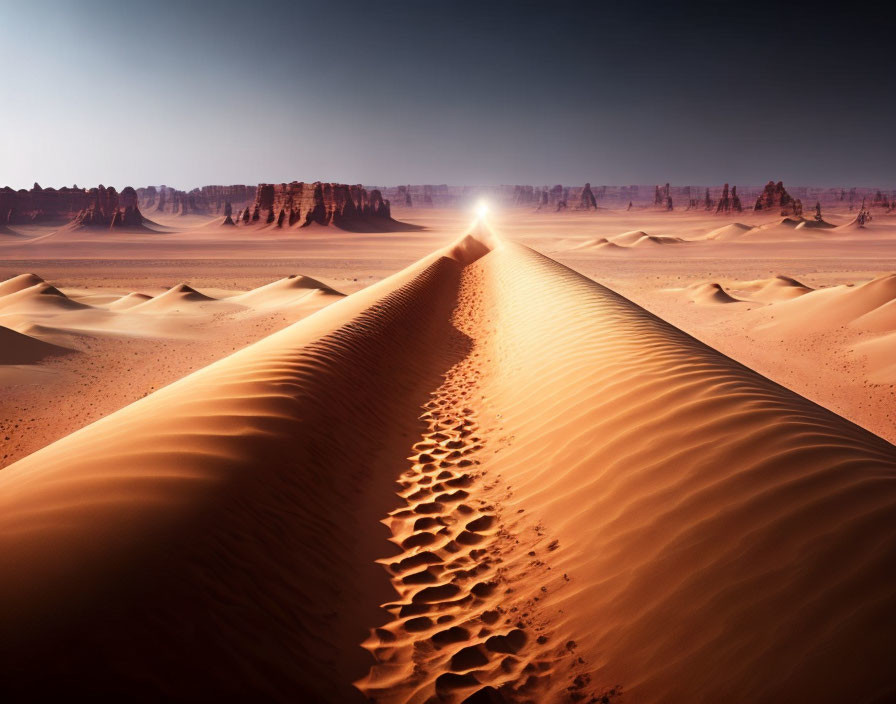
x=485, y=479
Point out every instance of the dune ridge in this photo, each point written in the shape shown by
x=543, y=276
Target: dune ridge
x=590, y=502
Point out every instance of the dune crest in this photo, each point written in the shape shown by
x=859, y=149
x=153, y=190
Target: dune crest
x=19, y=283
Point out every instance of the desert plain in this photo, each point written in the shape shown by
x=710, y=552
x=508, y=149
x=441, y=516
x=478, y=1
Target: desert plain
x=507, y=455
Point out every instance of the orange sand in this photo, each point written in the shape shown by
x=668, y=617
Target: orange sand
x=591, y=503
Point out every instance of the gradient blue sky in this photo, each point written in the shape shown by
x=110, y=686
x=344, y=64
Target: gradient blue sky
x=191, y=93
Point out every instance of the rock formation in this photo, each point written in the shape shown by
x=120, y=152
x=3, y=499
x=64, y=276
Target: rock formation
x=729, y=201
x=524, y=195
x=208, y=200
x=588, y=201
x=299, y=203
x=775, y=197
x=41, y=205
x=107, y=208
x=864, y=215
x=95, y=207
x=228, y=214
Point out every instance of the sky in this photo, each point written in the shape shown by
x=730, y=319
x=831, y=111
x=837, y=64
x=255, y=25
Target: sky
x=190, y=93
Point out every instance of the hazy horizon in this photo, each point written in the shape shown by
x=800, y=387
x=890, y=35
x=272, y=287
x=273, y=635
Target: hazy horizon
x=461, y=93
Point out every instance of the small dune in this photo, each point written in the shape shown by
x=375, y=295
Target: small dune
x=40, y=297
x=777, y=288
x=128, y=301
x=16, y=348
x=626, y=239
x=19, y=283
x=731, y=231
x=656, y=240
x=825, y=308
x=173, y=299
x=284, y=292
x=601, y=243
x=709, y=293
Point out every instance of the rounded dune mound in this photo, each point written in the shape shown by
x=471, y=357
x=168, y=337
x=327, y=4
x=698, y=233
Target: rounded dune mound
x=815, y=225
x=38, y=298
x=129, y=301
x=16, y=348
x=601, y=243
x=825, y=308
x=19, y=283
x=626, y=239
x=172, y=299
x=731, y=231
x=709, y=293
x=291, y=289
x=777, y=288
x=656, y=240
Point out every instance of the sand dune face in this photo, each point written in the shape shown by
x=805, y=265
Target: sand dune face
x=16, y=348
x=224, y=517
x=594, y=502
x=699, y=508
x=866, y=306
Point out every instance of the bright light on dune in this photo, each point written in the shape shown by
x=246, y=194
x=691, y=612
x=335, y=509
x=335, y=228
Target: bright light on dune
x=481, y=209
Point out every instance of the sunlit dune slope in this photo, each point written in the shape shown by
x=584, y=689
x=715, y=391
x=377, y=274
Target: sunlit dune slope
x=724, y=538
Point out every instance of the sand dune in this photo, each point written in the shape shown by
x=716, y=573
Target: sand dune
x=173, y=299
x=880, y=319
x=878, y=353
x=39, y=297
x=601, y=243
x=286, y=291
x=687, y=495
x=651, y=240
x=835, y=306
x=634, y=238
x=727, y=232
x=128, y=301
x=626, y=239
x=777, y=288
x=19, y=283
x=16, y=348
x=709, y=293
x=593, y=501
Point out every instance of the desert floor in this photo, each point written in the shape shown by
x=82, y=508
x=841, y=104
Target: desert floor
x=819, y=355
x=591, y=502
